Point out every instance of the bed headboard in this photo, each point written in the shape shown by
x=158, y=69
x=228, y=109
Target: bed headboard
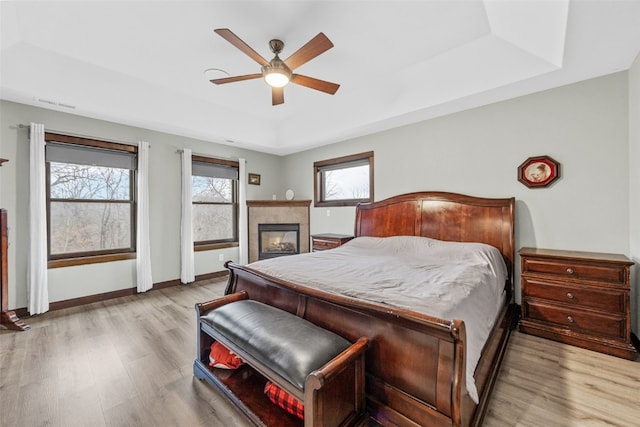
x=443, y=216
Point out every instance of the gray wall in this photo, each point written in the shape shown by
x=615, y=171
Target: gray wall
x=583, y=126
x=164, y=198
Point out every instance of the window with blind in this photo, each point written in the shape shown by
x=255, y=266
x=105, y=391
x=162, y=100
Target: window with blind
x=344, y=181
x=90, y=198
x=214, y=191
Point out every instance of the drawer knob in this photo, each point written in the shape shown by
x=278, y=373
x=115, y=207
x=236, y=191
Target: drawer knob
x=570, y=319
x=569, y=270
x=569, y=295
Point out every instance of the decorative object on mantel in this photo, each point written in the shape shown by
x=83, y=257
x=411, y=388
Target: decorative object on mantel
x=289, y=194
x=254, y=179
x=3, y=160
x=537, y=172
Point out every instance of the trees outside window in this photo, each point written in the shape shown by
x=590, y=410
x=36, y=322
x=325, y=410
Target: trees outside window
x=344, y=181
x=90, y=209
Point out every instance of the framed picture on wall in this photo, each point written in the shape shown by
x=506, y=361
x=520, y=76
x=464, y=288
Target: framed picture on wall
x=254, y=179
x=537, y=172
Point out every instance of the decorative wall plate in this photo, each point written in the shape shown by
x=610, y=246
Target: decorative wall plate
x=538, y=171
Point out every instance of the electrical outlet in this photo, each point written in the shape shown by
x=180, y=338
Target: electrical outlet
x=328, y=212
x=221, y=257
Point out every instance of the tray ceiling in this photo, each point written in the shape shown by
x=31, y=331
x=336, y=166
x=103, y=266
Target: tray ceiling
x=147, y=64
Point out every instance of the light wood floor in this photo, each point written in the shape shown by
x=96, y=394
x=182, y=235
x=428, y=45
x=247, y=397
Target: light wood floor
x=128, y=362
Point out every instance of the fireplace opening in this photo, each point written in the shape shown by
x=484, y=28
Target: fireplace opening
x=276, y=240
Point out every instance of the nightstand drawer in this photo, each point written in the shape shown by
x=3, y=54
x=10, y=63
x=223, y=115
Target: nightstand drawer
x=610, y=301
x=577, y=270
x=322, y=242
x=320, y=245
x=576, y=320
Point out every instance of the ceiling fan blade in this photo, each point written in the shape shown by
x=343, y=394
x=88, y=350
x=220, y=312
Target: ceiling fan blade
x=229, y=36
x=235, y=78
x=277, y=95
x=310, y=82
x=314, y=47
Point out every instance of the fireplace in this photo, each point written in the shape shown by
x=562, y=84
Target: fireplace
x=277, y=212
x=276, y=240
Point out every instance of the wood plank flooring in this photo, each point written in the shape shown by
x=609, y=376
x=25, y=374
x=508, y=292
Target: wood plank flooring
x=128, y=362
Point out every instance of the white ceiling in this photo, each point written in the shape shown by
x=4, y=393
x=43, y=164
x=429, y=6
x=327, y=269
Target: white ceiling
x=143, y=63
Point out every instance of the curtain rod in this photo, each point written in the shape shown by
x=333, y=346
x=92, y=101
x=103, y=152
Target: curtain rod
x=97, y=138
x=233, y=159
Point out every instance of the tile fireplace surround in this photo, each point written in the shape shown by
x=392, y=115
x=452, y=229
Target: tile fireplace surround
x=277, y=212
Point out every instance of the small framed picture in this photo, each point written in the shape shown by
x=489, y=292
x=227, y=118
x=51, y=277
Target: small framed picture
x=254, y=179
x=538, y=171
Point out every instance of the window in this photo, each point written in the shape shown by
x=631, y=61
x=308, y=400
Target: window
x=214, y=194
x=90, y=199
x=344, y=181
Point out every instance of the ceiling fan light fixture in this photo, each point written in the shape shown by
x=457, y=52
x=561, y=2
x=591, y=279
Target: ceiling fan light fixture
x=276, y=79
x=276, y=73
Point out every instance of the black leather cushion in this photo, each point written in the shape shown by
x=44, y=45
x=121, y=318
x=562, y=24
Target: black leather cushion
x=289, y=345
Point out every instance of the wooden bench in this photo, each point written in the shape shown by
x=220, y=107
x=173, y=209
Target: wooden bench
x=319, y=368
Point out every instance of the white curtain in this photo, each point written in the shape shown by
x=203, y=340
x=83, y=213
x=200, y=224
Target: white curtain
x=187, y=263
x=143, y=243
x=243, y=232
x=37, y=284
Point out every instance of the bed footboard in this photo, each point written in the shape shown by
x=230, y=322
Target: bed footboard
x=415, y=364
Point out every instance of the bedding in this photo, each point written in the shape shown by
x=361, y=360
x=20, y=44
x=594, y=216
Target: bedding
x=221, y=357
x=284, y=400
x=443, y=279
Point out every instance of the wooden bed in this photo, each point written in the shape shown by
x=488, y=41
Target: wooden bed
x=415, y=364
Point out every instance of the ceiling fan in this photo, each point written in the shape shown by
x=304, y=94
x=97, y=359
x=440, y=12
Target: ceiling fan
x=277, y=73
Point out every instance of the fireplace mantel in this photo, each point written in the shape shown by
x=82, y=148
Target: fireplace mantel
x=278, y=203
x=275, y=212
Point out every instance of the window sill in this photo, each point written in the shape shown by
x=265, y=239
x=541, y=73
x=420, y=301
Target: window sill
x=213, y=246
x=68, y=262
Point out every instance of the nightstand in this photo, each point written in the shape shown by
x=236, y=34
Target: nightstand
x=322, y=242
x=578, y=298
